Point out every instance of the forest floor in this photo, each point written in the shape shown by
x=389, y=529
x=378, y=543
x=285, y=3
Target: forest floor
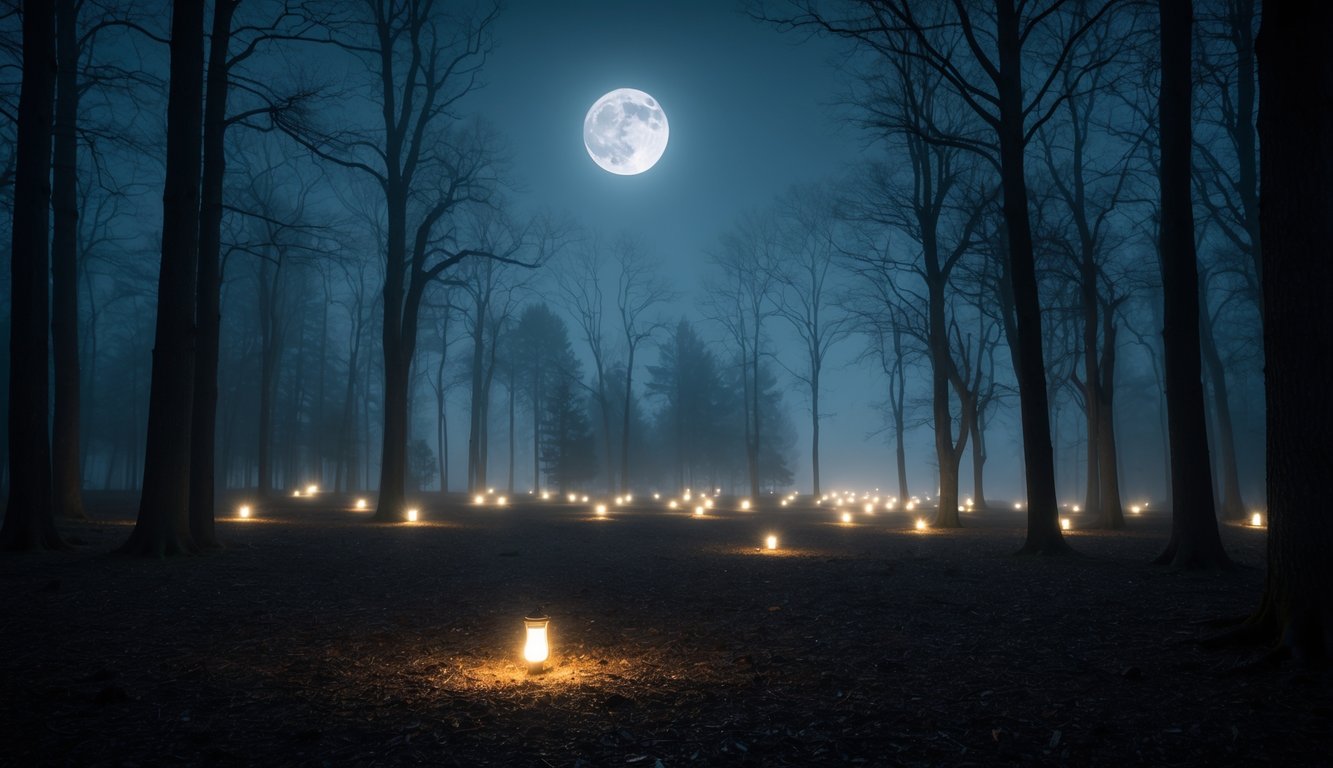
x=319, y=638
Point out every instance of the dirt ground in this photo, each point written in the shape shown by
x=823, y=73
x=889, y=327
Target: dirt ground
x=319, y=638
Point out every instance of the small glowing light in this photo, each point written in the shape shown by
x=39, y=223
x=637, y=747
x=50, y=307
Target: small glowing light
x=537, y=648
x=1075, y=507
x=1018, y=505
x=1134, y=510
x=846, y=517
x=311, y=490
x=500, y=501
x=1257, y=520
x=968, y=502
x=784, y=502
x=572, y=498
x=546, y=496
x=708, y=503
x=717, y=491
x=911, y=505
x=296, y=493
x=490, y=491
x=870, y=509
x=771, y=542
x=745, y=505
x=360, y=503
x=1064, y=523
x=920, y=524
x=600, y=509
x=671, y=504
x=244, y=511
x=698, y=511
x=479, y=499
x=585, y=499
x=620, y=500
x=657, y=496
x=629, y=498
x=686, y=496
x=412, y=515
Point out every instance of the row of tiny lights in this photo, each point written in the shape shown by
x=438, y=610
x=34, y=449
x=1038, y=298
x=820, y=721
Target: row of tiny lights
x=869, y=504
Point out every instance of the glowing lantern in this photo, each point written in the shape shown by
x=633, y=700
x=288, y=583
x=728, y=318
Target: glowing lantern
x=846, y=517
x=657, y=496
x=546, y=496
x=745, y=505
x=921, y=524
x=1075, y=507
x=1064, y=523
x=412, y=515
x=671, y=504
x=244, y=511
x=1256, y=520
x=585, y=499
x=479, y=499
x=537, y=649
x=1134, y=510
x=572, y=498
x=296, y=493
x=500, y=501
x=629, y=498
x=490, y=490
x=870, y=509
x=708, y=503
x=911, y=505
x=311, y=490
x=360, y=503
x=600, y=510
x=698, y=511
x=771, y=543
x=1018, y=505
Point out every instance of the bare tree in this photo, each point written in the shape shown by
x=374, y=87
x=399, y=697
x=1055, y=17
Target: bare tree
x=581, y=283
x=806, y=299
x=29, y=520
x=162, y=527
x=639, y=288
x=428, y=164
x=1195, y=542
x=985, y=61
x=742, y=301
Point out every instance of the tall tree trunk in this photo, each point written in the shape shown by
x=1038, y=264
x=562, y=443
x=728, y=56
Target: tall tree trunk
x=29, y=515
x=1043, y=529
x=625, y=475
x=899, y=404
x=1112, y=507
x=1233, y=506
x=1296, y=189
x=162, y=527
x=814, y=429
x=392, y=504
x=1195, y=542
x=945, y=454
x=978, y=462
x=66, y=472
x=510, y=485
x=203, y=421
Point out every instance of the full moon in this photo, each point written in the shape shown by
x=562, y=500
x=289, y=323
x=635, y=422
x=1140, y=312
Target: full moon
x=626, y=132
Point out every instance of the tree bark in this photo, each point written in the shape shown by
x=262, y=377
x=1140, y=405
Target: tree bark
x=162, y=527
x=29, y=515
x=1112, y=507
x=66, y=471
x=1043, y=530
x=1195, y=542
x=203, y=420
x=1296, y=193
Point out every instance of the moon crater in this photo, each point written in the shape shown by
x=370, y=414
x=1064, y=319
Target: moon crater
x=626, y=132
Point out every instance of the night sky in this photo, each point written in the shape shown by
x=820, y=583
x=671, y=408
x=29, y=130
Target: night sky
x=752, y=112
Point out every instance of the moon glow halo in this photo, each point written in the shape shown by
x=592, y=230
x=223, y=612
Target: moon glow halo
x=626, y=132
